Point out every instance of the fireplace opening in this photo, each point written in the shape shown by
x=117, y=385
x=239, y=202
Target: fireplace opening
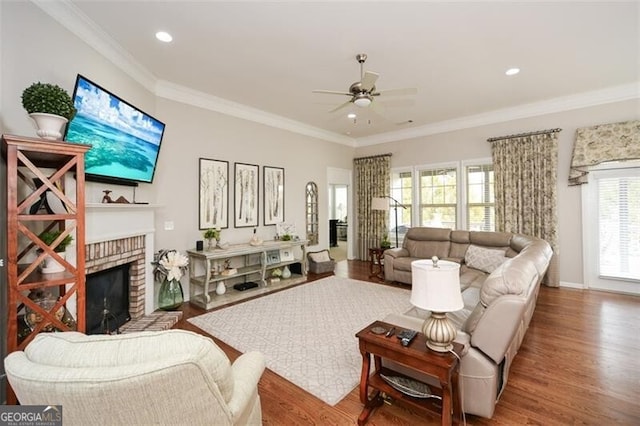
x=107, y=303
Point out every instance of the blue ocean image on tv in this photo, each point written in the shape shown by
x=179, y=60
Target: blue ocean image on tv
x=124, y=141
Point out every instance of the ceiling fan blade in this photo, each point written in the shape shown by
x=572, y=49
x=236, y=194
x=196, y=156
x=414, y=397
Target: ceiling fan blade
x=341, y=106
x=331, y=92
x=369, y=80
x=397, y=92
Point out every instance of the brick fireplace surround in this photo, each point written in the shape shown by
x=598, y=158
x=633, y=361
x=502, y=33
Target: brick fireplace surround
x=127, y=240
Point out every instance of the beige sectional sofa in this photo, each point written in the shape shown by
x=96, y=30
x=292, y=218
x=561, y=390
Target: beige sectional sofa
x=500, y=277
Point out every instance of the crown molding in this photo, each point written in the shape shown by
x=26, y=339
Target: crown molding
x=74, y=20
x=178, y=93
x=549, y=106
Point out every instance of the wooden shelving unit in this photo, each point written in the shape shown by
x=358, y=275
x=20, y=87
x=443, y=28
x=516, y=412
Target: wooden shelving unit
x=50, y=162
x=202, y=284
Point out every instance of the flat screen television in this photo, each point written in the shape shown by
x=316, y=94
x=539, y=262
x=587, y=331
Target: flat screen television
x=125, y=141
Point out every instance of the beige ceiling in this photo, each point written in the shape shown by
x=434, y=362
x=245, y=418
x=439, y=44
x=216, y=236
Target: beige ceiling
x=269, y=56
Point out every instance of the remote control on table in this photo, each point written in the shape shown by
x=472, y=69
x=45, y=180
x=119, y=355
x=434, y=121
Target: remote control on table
x=407, y=336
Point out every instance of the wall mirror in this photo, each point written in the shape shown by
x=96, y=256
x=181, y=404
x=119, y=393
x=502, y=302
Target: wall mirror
x=312, y=212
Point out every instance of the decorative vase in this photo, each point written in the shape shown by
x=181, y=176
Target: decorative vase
x=221, y=288
x=52, y=266
x=211, y=243
x=286, y=273
x=48, y=126
x=171, y=295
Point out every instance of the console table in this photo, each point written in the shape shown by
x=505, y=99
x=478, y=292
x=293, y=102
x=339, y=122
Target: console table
x=250, y=263
x=441, y=366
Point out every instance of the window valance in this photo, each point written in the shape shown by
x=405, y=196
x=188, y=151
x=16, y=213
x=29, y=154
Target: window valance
x=602, y=143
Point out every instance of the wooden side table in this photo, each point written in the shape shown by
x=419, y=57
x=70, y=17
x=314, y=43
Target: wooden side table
x=442, y=366
x=376, y=263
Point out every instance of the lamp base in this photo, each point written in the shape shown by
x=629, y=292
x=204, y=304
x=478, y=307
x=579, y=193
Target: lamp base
x=439, y=332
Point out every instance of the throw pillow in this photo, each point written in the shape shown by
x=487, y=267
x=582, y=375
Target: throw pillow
x=319, y=257
x=483, y=259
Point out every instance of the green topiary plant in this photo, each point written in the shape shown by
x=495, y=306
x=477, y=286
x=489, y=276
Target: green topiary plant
x=49, y=237
x=48, y=98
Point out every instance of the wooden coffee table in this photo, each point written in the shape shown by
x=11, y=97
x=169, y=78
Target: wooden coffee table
x=416, y=356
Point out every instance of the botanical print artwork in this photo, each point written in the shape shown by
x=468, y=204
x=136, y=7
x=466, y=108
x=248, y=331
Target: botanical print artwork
x=214, y=194
x=246, y=195
x=273, y=195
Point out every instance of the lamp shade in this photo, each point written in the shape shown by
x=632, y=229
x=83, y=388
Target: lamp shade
x=436, y=289
x=379, y=204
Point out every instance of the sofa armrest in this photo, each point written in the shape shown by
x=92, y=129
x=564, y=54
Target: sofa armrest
x=247, y=370
x=498, y=325
x=397, y=252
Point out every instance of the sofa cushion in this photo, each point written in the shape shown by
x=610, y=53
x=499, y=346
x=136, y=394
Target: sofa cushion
x=515, y=276
x=423, y=242
x=484, y=259
x=404, y=263
x=471, y=277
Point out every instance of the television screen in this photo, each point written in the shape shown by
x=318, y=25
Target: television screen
x=124, y=140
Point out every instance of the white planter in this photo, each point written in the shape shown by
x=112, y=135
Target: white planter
x=51, y=266
x=49, y=126
x=221, y=288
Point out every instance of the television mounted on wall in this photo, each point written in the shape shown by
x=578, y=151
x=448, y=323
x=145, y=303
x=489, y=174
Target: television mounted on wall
x=125, y=141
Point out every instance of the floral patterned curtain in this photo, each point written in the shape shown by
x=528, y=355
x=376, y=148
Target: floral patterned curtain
x=372, y=180
x=602, y=143
x=525, y=170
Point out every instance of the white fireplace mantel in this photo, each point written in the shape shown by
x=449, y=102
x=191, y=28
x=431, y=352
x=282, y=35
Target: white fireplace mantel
x=106, y=222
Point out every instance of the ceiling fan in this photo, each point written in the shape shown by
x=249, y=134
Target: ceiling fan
x=362, y=92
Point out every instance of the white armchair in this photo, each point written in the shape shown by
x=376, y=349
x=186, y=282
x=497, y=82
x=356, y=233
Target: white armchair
x=168, y=377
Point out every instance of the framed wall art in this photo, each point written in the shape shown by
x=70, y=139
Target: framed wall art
x=286, y=254
x=273, y=189
x=214, y=193
x=273, y=257
x=246, y=195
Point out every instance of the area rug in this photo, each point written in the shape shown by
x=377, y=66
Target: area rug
x=307, y=333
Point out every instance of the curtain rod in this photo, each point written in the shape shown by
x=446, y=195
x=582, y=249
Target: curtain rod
x=388, y=154
x=519, y=135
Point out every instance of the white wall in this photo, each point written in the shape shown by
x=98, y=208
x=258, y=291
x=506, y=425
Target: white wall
x=471, y=144
x=196, y=133
x=34, y=47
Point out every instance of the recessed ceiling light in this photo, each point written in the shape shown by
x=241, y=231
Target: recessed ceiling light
x=164, y=36
x=351, y=115
x=512, y=71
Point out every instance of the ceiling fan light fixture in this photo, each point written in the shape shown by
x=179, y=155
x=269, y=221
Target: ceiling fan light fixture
x=362, y=100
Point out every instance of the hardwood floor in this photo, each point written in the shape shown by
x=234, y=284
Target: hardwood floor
x=579, y=364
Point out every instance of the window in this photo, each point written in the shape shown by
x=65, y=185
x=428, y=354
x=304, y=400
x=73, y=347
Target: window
x=454, y=195
x=480, y=198
x=438, y=197
x=611, y=229
x=401, y=190
x=619, y=227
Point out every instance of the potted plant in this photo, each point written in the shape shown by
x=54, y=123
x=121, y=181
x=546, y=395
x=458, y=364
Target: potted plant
x=50, y=264
x=50, y=107
x=210, y=235
x=385, y=243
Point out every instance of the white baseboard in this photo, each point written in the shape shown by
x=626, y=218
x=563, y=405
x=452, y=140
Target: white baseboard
x=567, y=284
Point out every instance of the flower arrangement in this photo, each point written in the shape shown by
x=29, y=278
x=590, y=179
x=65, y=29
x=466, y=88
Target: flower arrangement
x=169, y=265
x=212, y=234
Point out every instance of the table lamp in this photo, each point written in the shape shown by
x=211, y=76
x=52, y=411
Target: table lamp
x=436, y=287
